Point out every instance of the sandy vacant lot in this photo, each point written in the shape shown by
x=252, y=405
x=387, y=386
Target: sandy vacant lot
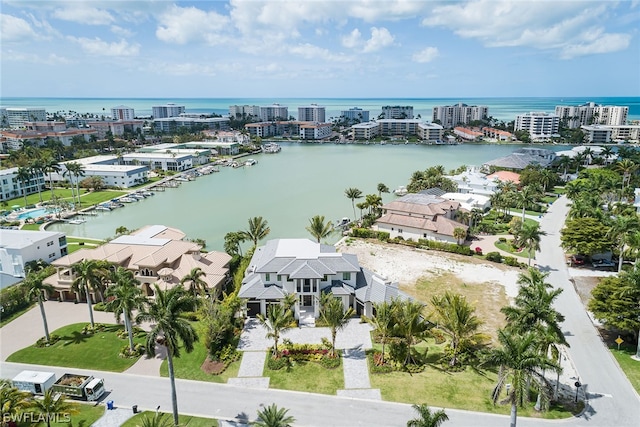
x=406, y=265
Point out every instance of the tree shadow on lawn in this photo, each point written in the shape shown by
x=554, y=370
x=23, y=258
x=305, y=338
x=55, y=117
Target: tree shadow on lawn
x=76, y=338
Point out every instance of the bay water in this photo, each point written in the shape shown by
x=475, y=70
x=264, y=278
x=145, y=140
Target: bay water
x=286, y=189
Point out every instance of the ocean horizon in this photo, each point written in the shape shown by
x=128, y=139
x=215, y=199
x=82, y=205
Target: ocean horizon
x=500, y=108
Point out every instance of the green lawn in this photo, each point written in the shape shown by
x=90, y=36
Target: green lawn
x=34, y=227
x=87, y=415
x=558, y=190
x=506, y=246
x=6, y=319
x=310, y=377
x=74, y=243
x=630, y=366
x=99, y=351
x=97, y=197
x=188, y=365
x=469, y=389
x=87, y=198
x=185, y=420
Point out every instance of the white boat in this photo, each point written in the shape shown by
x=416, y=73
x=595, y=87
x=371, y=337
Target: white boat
x=102, y=208
x=251, y=162
x=400, y=191
x=128, y=199
x=76, y=221
x=342, y=223
x=180, y=178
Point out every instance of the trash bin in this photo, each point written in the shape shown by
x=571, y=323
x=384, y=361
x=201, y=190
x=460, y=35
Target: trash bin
x=135, y=409
x=109, y=404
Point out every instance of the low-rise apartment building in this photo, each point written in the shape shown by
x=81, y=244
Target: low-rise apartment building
x=18, y=247
x=12, y=187
x=315, y=131
x=167, y=161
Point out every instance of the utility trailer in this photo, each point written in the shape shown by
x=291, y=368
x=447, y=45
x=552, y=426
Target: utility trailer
x=76, y=386
x=34, y=382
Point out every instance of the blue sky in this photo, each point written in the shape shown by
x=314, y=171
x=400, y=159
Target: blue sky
x=307, y=48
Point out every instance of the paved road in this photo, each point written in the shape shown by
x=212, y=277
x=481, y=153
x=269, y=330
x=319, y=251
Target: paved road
x=612, y=399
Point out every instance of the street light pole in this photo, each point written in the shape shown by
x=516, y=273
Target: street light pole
x=577, y=384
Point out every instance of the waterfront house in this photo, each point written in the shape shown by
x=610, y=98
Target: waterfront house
x=155, y=254
x=307, y=269
x=475, y=182
x=420, y=216
x=18, y=247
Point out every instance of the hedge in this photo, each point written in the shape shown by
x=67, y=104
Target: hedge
x=13, y=299
x=366, y=233
x=445, y=247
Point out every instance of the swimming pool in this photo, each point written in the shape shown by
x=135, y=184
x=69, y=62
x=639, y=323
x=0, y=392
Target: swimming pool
x=36, y=213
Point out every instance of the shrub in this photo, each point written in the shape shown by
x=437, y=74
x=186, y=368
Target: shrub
x=502, y=240
x=445, y=247
x=42, y=342
x=190, y=315
x=330, y=362
x=138, y=350
x=478, y=250
x=278, y=363
x=494, y=256
x=413, y=369
x=100, y=306
x=13, y=299
x=511, y=261
x=375, y=364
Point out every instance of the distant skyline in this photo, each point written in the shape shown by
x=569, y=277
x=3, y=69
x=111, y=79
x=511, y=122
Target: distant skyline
x=319, y=49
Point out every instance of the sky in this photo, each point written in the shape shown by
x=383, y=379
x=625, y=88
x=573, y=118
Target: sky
x=323, y=49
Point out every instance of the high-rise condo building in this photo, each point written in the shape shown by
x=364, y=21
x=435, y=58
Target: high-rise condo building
x=122, y=112
x=450, y=116
x=274, y=112
x=242, y=111
x=16, y=117
x=355, y=115
x=311, y=113
x=540, y=125
x=167, y=110
x=397, y=112
x=591, y=113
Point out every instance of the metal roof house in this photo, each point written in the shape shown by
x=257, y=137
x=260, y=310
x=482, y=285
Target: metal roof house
x=307, y=269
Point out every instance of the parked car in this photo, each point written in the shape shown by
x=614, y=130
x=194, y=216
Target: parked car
x=603, y=264
x=577, y=260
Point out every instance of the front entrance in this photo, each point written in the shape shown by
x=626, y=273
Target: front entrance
x=306, y=301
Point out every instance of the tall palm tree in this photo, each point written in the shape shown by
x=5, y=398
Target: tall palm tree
x=332, y=313
x=529, y=236
x=318, y=228
x=525, y=198
x=427, y=418
x=627, y=168
x=51, y=404
x=170, y=329
x=124, y=296
x=277, y=321
x=12, y=400
x=456, y=318
x=410, y=325
x=24, y=175
x=382, y=188
x=607, y=154
x=272, y=416
x=258, y=230
x=622, y=228
x=352, y=194
x=87, y=278
x=67, y=173
x=77, y=170
x=51, y=165
x=35, y=286
x=383, y=321
x=37, y=168
x=519, y=362
x=197, y=285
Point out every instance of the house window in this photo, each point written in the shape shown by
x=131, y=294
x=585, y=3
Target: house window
x=50, y=243
x=346, y=275
x=392, y=228
x=52, y=255
x=267, y=277
x=279, y=277
x=325, y=278
x=424, y=235
x=146, y=272
x=399, y=230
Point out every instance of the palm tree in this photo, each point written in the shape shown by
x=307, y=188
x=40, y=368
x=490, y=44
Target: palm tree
x=67, y=172
x=197, y=284
x=170, y=329
x=12, y=400
x=51, y=165
x=318, y=228
x=525, y=198
x=35, y=286
x=382, y=188
x=460, y=234
x=564, y=162
x=125, y=297
x=335, y=316
x=410, y=325
x=157, y=420
x=277, y=321
x=519, y=362
x=272, y=416
x=37, y=168
x=24, y=175
x=529, y=236
x=383, y=321
x=51, y=404
x=88, y=277
x=352, y=194
x=427, y=418
x=627, y=168
x=122, y=230
x=77, y=170
x=374, y=202
x=258, y=230
x=456, y=318
x=622, y=227
x=607, y=153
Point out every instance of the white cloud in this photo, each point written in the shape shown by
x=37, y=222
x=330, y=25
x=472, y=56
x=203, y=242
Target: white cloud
x=380, y=38
x=51, y=59
x=83, y=14
x=375, y=10
x=99, y=47
x=180, y=25
x=427, y=54
x=541, y=25
x=15, y=29
x=120, y=31
x=188, y=69
x=309, y=51
x=352, y=40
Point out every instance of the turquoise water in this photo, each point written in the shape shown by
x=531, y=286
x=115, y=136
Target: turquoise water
x=36, y=213
x=286, y=189
x=501, y=108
